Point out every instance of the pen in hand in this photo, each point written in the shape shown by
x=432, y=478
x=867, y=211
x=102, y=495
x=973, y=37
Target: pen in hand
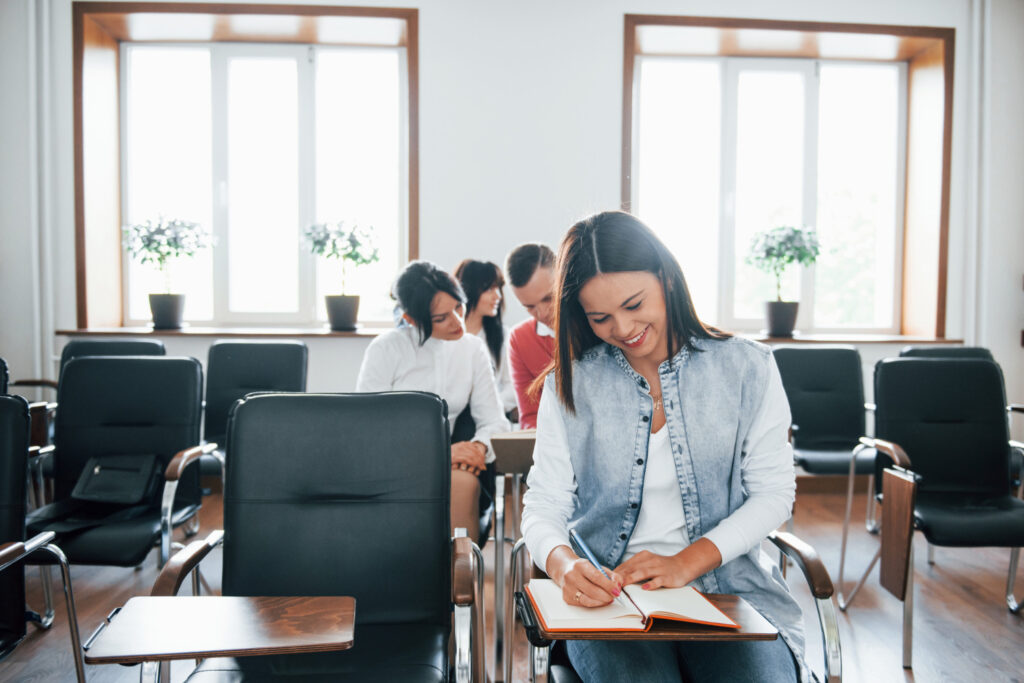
x=582, y=548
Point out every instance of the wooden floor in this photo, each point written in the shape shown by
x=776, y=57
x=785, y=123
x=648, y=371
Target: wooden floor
x=962, y=629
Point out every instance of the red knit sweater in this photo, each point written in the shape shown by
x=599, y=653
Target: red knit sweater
x=529, y=355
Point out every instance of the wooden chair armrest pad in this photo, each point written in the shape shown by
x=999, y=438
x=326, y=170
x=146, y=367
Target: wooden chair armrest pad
x=184, y=458
x=807, y=559
x=182, y=562
x=11, y=552
x=463, y=576
x=893, y=450
x=52, y=384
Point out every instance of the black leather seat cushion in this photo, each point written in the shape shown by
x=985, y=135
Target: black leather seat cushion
x=380, y=652
x=833, y=460
x=970, y=521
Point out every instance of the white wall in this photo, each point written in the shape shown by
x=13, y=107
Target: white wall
x=520, y=106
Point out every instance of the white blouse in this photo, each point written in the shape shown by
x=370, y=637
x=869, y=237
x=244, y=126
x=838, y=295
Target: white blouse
x=458, y=371
x=506, y=391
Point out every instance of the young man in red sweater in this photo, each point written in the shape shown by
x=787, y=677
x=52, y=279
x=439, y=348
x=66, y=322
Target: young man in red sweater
x=531, y=346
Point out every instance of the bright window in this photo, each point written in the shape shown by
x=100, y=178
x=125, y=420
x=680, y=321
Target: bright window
x=728, y=147
x=256, y=142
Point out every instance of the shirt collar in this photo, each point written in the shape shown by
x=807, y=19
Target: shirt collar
x=544, y=331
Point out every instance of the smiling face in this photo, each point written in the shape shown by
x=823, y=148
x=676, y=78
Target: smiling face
x=627, y=310
x=489, y=302
x=538, y=296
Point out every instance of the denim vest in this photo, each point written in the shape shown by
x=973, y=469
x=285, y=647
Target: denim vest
x=710, y=397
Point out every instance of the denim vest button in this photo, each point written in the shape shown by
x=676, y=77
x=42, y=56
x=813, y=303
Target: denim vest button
x=645, y=418
x=632, y=505
x=639, y=461
x=622, y=536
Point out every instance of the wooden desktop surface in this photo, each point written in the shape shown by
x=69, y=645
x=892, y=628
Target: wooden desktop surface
x=752, y=626
x=161, y=628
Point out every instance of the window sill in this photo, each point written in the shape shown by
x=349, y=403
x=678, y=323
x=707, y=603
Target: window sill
x=841, y=338
x=223, y=332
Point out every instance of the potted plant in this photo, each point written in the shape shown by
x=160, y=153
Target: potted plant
x=158, y=243
x=773, y=251
x=353, y=246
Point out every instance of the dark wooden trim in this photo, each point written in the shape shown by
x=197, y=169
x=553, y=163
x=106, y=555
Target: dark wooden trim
x=78, y=56
x=947, y=161
x=786, y=25
x=80, y=13
x=412, y=56
x=628, y=77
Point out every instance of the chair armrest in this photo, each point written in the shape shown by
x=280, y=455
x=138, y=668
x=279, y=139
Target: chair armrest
x=17, y=550
x=893, y=450
x=807, y=559
x=1015, y=408
x=185, y=560
x=40, y=417
x=184, y=458
x=463, y=576
x=52, y=384
x=40, y=451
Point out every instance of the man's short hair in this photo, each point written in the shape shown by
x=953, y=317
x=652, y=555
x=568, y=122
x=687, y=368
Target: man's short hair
x=524, y=260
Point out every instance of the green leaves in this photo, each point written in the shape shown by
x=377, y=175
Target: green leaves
x=350, y=244
x=157, y=242
x=774, y=250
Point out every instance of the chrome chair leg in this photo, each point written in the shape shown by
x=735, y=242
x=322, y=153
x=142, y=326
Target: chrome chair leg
x=499, y=577
x=539, y=663
x=1011, y=601
x=516, y=570
x=908, y=612
x=46, y=579
x=871, y=515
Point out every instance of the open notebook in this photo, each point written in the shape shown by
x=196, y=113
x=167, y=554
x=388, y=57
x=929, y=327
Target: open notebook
x=676, y=604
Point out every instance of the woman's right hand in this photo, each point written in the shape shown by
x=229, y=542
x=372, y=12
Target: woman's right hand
x=582, y=584
x=469, y=456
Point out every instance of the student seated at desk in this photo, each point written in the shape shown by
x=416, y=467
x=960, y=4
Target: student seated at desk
x=430, y=351
x=531, y=272
x=663, y=443
x=483, y=285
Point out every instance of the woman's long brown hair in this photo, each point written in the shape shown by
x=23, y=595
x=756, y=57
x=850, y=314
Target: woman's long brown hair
x=614, y=242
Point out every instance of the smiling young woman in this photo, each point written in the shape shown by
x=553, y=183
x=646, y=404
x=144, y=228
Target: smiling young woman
x=663, y=443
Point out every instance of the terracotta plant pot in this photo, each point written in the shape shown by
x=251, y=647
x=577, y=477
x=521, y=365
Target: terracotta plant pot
x=781, y=317
x=342, y=312
x=167, y=310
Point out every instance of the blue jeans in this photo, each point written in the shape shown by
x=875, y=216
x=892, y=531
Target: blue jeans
x=625, y=661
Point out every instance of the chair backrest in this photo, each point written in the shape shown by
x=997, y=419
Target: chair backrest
x=76, y=348
x=14, y=433
x=979, y=352
x=235, y=369
x=341, y=494
x=4, y=376
x=825, y=388
x=949, y=415
x=127, y=406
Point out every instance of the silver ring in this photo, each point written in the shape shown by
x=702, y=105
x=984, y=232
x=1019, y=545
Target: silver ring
x=577, y=596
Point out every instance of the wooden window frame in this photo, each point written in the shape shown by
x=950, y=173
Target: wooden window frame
x=98, y=28
x=931, y=51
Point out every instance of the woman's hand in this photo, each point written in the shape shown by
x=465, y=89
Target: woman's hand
x=469, y=456
x=582, y=584
x=659, y=571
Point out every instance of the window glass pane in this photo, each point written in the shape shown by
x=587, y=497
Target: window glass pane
x=358, y=167
x=167, y=166
x=679, y=133
x=857, y=178
x=263, y=185
x=769, y=177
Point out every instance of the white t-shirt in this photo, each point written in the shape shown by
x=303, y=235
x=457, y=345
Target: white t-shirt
x=458, y=371
x=506, y=391
x=661, y=523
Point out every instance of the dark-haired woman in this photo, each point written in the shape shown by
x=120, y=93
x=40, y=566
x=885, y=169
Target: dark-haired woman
x=431, y=352
x=483, y=285
x=663, y=443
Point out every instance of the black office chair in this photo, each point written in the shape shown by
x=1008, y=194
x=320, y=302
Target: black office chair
x=825, y=388
x=237, y=368
x=977, y=352
x=4, y=376
x=347, y=494
x=77, y=348
x=945, y=420
x=548, y=660
x=131, y=408
x=14, y=452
